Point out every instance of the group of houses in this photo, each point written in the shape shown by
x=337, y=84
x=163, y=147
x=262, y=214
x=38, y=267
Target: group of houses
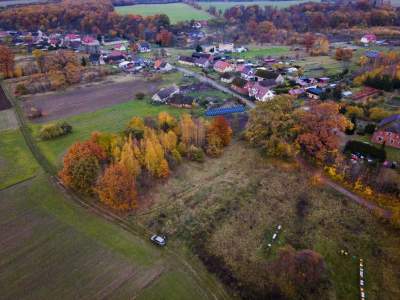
x=101, y=49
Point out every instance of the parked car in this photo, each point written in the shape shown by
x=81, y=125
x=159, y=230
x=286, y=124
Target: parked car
x=159, y=240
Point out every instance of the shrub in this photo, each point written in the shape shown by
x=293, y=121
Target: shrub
x=140, y=96
x=195, y=154
x=21, y=89
x=54, y=130
x=369, y=128
x=365, y=149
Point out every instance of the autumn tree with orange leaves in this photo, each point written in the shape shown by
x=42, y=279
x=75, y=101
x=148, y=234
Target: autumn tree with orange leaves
x=116, y=188
x=319, y=130
x=220, y=127
x=82, y=166
x=6, y=62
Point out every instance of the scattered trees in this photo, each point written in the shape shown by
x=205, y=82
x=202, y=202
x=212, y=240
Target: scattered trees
x=141, y=153
x=53, y=130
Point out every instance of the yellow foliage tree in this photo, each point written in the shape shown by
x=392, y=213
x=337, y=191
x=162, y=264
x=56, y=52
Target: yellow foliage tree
x=128, y=159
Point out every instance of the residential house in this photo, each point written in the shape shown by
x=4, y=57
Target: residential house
x=115, y=44
x=227, y=78
x=223, y=67
x=261, y=93
x=279, y=80
x=144, y=47
x=186, y=60
x=296, y=92
x=241, y=49
x=368, y=39
x=226, y=47
x=162, y=66
x=240, y=86
x=163, y=95
x=90, y=44
x=202, y=62
x=323, y=81
x=208, y=48
x=247, y=73
x=263, y=73
x=180, y=100
x=388, y=132
x=115, y=56
x=314, y=93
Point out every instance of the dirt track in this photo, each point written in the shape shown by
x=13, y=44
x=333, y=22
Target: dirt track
x=87, y=98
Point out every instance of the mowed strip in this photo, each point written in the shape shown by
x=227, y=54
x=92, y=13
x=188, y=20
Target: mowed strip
x=51, y=249
x=16, y=161
x=77, y=100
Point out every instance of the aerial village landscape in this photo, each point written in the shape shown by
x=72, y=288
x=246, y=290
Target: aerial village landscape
x=161, y=149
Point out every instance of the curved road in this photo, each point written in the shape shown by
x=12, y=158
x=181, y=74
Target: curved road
x=216, y=85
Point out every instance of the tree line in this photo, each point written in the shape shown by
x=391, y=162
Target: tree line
x=92, y=17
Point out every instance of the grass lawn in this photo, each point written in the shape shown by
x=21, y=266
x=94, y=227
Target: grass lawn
x=225, y=5
x=177, y=12
x=55, y=249
x=112, y=119
x=261, y=52
x=16, y=161
x=317, y=66
x=235, y=202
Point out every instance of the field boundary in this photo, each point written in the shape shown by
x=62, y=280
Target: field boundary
x=133, y=228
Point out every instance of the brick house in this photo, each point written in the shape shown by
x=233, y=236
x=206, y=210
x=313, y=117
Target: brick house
x=388, y=132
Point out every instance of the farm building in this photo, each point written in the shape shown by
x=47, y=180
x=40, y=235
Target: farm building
x=186, y=60
x=314, y=93
x=388, y=132
x=165, y=94
x=181, y=101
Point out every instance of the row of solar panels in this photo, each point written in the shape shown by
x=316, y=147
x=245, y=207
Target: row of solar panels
x=225, y=111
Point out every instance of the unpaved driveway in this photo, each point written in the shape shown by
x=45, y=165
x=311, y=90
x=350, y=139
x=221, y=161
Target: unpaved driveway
x=90, y=98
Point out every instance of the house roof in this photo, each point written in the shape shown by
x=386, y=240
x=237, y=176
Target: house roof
x=188, y=59
x=315, y=91
x=371, y=54
x=392, y=122
x=89, y=40
x=181, y=99
x=221, y=65
x=166, y=92
x=201, y=60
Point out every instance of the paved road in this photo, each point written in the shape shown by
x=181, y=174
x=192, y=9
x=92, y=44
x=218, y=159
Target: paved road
x=216, y=85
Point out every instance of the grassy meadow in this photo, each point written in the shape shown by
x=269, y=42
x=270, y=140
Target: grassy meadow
x=16, y=161
x=262, y=52
x=243, y=195
x=55, y=249
x=112, y=119
x=177, y=12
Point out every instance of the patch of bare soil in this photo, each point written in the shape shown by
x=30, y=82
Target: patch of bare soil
x=88, y=98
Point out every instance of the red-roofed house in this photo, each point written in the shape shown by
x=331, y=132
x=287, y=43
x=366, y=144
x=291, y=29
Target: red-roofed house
x=90, y=44
x=368, y=39
x=223, y=67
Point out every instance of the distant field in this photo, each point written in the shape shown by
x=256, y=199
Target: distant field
x=53, y=249
x=225, y=5
x=16, y=161
x=15, y=2
x=112, y=119
x=176, y=12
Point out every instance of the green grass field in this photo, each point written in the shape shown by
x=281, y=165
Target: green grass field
x=112, y=119
x=225, y=5
x=177, y=12
x=16, y=161
x=54, y=249
x=261, y=52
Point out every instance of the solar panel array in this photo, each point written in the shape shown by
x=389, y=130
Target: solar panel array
x=225, y=111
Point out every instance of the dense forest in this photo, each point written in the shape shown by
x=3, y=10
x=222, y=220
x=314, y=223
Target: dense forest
x=92, y=16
